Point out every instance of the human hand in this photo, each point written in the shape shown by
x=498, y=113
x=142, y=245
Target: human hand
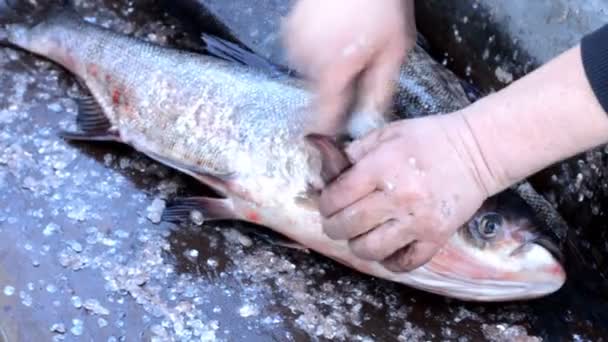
x=412, y=184
x=333, y=43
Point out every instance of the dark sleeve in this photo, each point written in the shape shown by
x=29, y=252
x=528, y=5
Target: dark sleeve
x=594, y=53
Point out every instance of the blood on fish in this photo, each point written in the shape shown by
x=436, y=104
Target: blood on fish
x=556, y=269
x=92, y=69
x=116, y=96
x=70, y=63
x=253, y=216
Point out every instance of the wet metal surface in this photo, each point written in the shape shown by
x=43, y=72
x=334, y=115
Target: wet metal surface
x=493, y=42
x=82, y=256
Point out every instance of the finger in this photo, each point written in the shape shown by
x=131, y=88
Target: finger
x=376, y=89
x=335, y=90
x=301, y=41
x=381, y=242
x=361, y=147
x=351, y=186
x=411, y=257
x=378, y=83
x=358, y=218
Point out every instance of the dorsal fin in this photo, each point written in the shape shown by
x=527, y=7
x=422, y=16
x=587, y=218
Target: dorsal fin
x=229, y=51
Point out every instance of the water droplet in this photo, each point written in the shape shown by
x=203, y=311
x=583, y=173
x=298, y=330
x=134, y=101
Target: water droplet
x=108, y=159
x=191, y=254
x=95, y=307
x=77, y=327
x=77, y=302
x=26, y=298
x=211, y=262
x=9, y=290
x=155, y=210
x=248, y=310
x=58, y=328
x=75, y=245
x=102, y=322
x=50, y=288
x=197, y=217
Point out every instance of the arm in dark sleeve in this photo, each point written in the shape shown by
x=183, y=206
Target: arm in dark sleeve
x=594, y=51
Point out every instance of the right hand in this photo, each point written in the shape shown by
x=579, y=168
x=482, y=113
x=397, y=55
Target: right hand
x=332, y=42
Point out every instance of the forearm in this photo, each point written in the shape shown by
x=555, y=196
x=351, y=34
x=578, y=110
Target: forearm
x=545, y=117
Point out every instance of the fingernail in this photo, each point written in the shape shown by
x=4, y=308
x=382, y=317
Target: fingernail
x=329, y=231
x=400, y=261
x=396, y=267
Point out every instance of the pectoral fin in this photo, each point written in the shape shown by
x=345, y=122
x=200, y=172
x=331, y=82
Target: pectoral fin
x=92, y=123
x=220, y=182
x=211, y=209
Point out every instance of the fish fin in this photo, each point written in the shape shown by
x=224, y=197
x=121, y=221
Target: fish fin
x=473, y=93
x=422, y=42
x=232, y=52
x=267, y=235
x=91, y=117
x=281, y=241
x=92, y=122
x=90, y=136
x=212, y=209
x=289, y=244
x=333, y=159
x=218, y=181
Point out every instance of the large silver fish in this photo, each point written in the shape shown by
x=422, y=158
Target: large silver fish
x=242, y=131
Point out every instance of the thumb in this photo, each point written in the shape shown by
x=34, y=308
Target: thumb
x=359, y=148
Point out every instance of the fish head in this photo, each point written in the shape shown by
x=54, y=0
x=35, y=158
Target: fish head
x=500, y=254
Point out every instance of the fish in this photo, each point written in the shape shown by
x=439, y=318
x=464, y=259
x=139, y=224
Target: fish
x=242, y=131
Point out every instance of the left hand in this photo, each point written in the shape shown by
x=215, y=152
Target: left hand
x=412, y=184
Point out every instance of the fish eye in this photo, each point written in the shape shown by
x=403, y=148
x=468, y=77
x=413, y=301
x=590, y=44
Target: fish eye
x=489, y=225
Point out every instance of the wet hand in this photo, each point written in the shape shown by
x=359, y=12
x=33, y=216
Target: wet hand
x=412, y=184
x=334, y=42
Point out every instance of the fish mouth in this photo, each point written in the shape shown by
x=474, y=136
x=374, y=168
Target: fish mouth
x=545, y=243
x=537, y=274
x=485, y=290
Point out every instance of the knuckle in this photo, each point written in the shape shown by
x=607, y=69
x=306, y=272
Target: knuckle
x=332, y=229
x=388, y=133
x=406, y=194
x=366, y=248
x=326, y=203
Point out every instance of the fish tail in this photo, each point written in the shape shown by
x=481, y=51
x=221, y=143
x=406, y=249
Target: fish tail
x=21, y=22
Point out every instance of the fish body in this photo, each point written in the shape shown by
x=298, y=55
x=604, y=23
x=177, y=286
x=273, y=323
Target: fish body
x=243, y=132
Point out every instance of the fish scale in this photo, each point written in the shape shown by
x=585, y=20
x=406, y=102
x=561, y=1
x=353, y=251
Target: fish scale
x=242, y=131
x=181, y=87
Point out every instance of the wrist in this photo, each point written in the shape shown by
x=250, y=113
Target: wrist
x=549, y=115
x=464, y=141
